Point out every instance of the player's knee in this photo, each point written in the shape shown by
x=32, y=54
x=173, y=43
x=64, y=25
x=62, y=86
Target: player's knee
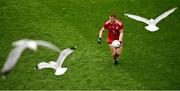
x=113, y=53
x=118, y=53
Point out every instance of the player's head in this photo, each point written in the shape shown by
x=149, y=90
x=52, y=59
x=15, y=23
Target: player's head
x=112, y=18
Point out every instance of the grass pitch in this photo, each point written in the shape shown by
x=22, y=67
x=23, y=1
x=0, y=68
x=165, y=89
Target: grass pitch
x=149, y=60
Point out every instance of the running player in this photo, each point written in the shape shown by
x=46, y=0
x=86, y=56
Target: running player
x=115, y=32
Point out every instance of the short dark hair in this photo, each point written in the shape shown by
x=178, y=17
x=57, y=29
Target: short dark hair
x=113, y=15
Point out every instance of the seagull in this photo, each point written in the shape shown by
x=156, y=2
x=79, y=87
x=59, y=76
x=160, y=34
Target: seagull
x=151, y=22
x=20, y=46
x=57, y=66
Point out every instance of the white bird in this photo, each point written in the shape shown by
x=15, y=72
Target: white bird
x=57, y=66
x=151, y=22
x=20, y=46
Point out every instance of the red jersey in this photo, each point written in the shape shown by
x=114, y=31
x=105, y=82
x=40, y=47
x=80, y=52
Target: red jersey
x=113, y=30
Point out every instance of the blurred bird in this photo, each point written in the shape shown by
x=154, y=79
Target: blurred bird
x=151, y=22
x=58, y=64
x=20, y=46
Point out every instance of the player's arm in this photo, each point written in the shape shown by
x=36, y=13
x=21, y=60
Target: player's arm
x=121, y=35
x=101, y=34
x=120, y=31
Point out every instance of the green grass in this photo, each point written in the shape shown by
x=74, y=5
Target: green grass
x=149, y=60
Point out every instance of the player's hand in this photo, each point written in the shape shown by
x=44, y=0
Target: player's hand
x=120, y=43
x=99, y=40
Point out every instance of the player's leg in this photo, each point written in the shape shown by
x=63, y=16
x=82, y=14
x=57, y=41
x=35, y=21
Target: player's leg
x=114, y=55
x=119, y=51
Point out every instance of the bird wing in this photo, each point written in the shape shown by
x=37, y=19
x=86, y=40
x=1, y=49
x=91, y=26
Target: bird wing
x=138, y=18
x=64, y=54
x=48, y=45
x=45, y=65
x=165, y=14
x=12, y=59
x=19, y=42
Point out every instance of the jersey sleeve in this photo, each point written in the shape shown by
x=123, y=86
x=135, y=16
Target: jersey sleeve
x=121, y=26
x=105, y=25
